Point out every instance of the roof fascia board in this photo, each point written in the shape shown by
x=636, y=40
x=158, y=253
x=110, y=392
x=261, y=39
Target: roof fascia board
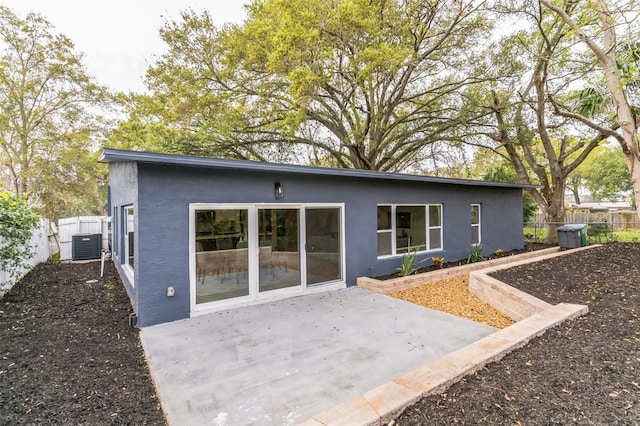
x=110, y=155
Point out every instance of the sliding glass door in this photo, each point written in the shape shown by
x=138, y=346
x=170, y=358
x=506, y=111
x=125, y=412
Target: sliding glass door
x=221, y=254
x=247, y=252
x=279, y=249
x=323, y=242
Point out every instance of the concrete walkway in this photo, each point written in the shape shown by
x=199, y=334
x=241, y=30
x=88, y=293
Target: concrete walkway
x=284, y=362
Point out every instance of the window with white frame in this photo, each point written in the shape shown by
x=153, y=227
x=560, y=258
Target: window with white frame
x=385, y=231
x=435, y=227
x=113, y=237
x=476, y=235
x=129, y=235
x=403, y=228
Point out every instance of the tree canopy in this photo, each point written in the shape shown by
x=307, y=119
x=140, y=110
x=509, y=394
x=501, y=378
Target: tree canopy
x=543, y=116
x=48, y=116
x=368, y=84
x=541, y=69
x=352, y=83
x=609, y=31
x=605, y=175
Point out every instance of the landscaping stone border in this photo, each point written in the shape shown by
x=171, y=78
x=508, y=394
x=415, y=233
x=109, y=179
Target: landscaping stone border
x=534, y=316
x=404, y=283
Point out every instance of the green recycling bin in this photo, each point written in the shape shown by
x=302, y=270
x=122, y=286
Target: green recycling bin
x=584, y=241
x=572, y=236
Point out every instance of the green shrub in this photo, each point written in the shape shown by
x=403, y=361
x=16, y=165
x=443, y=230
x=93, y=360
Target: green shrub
x=17, y=222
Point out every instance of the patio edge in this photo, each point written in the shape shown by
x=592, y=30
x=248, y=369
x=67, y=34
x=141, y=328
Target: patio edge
x=382, y=404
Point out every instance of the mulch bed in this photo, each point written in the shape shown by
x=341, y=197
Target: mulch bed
x=584, y=372
x=67, y=354
x=528, y=246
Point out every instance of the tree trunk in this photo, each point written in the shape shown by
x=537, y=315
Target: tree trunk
x=607, y=55
x=576, y=195
x=633, y=163
x=554, y=213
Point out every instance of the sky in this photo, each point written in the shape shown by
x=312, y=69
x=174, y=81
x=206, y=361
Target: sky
x=119, y=38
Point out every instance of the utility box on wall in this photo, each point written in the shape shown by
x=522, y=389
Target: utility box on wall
x=86, y=246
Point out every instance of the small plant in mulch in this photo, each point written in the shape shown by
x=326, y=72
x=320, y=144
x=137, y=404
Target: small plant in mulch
x=475, y=254
x=529, y=246
x=499, y=253
x=408, y=265
x=438, y=262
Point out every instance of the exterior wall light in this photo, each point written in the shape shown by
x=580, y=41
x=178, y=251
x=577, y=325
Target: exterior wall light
x=279, y=191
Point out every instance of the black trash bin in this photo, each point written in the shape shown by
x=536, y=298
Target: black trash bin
x=572, y=236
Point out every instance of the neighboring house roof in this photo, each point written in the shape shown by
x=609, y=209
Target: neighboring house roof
x=110, y=155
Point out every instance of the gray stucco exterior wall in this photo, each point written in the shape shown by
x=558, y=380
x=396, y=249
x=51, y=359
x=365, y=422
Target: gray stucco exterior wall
x=161, y=195
x=123, y=189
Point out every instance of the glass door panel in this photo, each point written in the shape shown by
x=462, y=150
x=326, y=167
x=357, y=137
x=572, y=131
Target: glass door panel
x=222, y=255
x=279, y=249
x=323, y=238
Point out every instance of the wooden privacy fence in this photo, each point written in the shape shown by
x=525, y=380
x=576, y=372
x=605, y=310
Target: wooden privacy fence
x=619, y=220
x=39, y=244
x=68, y=227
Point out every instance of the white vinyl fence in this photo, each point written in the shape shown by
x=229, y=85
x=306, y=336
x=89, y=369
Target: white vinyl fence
x=39, y=244
x=71, y=226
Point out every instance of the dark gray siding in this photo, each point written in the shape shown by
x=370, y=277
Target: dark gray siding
x=123, y=187
x=162, y=220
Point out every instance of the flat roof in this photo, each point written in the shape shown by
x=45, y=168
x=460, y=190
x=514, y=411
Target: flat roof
x=110, y=155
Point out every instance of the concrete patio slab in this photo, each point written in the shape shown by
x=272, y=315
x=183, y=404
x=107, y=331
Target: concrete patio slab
x=286, y=361
x=535, y=318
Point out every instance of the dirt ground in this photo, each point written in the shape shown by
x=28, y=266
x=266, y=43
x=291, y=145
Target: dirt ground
x=67, y=354
x=584, y=372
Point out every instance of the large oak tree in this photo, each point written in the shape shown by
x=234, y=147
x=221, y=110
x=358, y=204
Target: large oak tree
x=47, y=117
x=531, y=125
x=599, y=25
x=366, y=84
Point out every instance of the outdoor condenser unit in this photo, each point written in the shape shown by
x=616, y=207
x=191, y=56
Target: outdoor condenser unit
x=86, y=246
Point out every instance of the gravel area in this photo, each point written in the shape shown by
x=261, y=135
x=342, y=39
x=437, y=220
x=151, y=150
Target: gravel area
x=452, y=295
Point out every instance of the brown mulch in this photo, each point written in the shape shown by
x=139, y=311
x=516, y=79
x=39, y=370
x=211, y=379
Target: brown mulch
x=583, y=372
x=67, y=354
x=452, y=296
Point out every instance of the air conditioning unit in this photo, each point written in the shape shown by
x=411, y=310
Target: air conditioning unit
x=86, y=246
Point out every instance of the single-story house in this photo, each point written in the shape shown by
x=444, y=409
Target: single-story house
x=193, y=235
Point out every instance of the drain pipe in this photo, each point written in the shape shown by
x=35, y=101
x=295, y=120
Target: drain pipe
x=105, y=254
